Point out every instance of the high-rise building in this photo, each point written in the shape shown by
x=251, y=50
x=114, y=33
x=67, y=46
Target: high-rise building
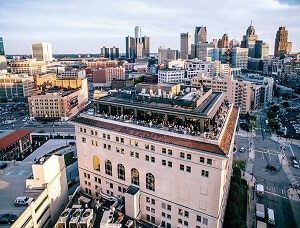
x=281, y=42
x=105, y=52
x=3, y=63
x=289, y=48
x=224, y=42
x=249, y=40
x=160, y=162
x=114, y=53
x=201, y=50
x=42, y=52
x=239, y=58
x=138, y=46
x=234, y=43
x=185, y=45
x=200, y=35
x=1, y=47
x=261, y=49
x=166, y=54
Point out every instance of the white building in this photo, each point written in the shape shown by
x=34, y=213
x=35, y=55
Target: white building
x=71, y=74
x=28, y=66
x=42, y=52
x=239, y=58
x=171, y=76
x=181, y=179
x=47, y=186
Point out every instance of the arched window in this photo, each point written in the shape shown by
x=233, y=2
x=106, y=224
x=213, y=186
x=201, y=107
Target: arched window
x=135, y=176
x=121, y=172
x=108, y=167
x=150, y=182
x=96, y=163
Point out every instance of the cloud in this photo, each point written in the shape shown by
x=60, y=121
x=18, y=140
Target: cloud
x=83, y=26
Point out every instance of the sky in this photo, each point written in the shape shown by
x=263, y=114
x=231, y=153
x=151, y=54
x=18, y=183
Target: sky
x=77, y=26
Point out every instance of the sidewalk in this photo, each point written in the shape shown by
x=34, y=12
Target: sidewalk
x=287, y=170
x=251, y=201
x=285, y=141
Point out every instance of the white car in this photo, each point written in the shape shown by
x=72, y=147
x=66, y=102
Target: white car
x=242, y=150
x=295, y=164
x=22, y=200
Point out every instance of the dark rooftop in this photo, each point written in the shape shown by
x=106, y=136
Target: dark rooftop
x=132, y=190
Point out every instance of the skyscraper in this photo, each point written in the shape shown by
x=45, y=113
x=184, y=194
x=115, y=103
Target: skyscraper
x=138, y=46
x=1, y=47
x=114, y=52
x=261, y=49
x=130, y=47
x=249, y=40
x=146, y=45
x=42, y=52
x=224, y=42
x=281, y=42
x=185, y=45
x=3, y=63
x=234, y=43
x=137, y=32
x=105, y=52
x=200, y=35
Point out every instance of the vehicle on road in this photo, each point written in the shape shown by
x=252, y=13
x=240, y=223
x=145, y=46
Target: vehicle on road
x=271, y=217
x=260, y=190
x=242, y=150
x=260, y=210
x=22, y=200
x=261, y=224
x=295, y=164
x=8, y=218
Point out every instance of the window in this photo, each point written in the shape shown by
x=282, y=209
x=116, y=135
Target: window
x=168, y=216
x=169, y=164
x=180, y=221
x=117, y=139
x=153, y=201
x=111, y=185
x=164, y=150
x=92, y=132
x=147, y=158
x=152, y=148
x=152, y=210
x=189, y=156
x=96, y=163
x=202, y=159
x=198, y=218
x=163, y=205
x=148, y=218
x=122, y=140
x=181, y=167
x=104, y=146
x=153, y=159
x=150, y=182
x=170, y=152
x=169, y=208
x=131, y=153
x=83, y=139
x=186, y=223
x=104, y=135
x=147, y=146
x=84, y=130
x=119, y=189
x=81, y=129
x=164, y=162
x=182, y=155
x=163, y=214
x=108, y=136
x=188, y=169
x=186, y=214
x=121, y=172
x=109, y=147
x=204, y=173
x=205, y=221
x=153, y=219
x=137, y=155
x=147, y=208
x=108, y=167
x=180, y=211
x=209, y=161
x=135, y=176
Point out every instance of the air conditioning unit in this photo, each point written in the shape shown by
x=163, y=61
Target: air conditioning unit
x=87, y=219
x=75, y=218
x=64, y=218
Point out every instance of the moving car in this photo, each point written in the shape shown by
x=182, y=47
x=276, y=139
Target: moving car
x=8, y=218
x=242, y=150
x=22, y=200
x=295, y=164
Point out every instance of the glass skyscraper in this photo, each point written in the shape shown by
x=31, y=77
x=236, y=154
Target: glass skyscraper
x=1, y=47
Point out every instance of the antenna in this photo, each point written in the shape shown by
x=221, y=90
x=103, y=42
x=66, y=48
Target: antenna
x=251, y=23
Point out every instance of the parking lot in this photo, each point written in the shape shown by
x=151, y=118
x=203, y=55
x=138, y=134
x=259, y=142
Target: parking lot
x=291, y=120
x=10, y=112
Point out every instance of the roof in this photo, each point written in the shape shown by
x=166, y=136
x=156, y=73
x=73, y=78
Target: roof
x=221, y=149
x=132, y=190
x=13, y=137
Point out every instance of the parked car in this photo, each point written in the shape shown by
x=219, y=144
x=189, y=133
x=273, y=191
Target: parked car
x=259, y=190
x=295, y=164
x=8, y=218
x=242, y=150
x=260, y=210
x=22, y=200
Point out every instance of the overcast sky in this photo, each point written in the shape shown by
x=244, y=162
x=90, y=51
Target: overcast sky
x=77, y=26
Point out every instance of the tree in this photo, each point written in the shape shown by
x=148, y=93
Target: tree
x=237, y=171
x=271, y=114
x=236, y=179
x=240, y=164
x=234, y=197
x=285, y=104
x=273, y=124
x=274, y=108
x=234, y=187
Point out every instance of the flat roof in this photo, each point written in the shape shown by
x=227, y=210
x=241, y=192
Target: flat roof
x=13, y=185
x=132, y=190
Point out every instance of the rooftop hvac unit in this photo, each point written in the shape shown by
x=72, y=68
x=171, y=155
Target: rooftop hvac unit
x=64, y=218
x=75, y=218
x=86, y=219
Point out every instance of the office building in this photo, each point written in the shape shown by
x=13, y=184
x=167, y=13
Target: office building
x=44, y=182
x=15, y=145
x=289, y=47
x=200, y=35
x=15, y=87
x=130, y=47
x=104, y=77
x=185, y=45
x=201, y=50
x=138, y=32
x=249, y=40
x=42, y=52
x=158, y=161
x=114, y=53
x=71, y=73
x=3, y=63
x=101, y=63
x=261, y=49
x=166, y=54
x=281, y=42
x=234, y=43
x=60, y=99
x=171, y=76
x=146, y=46
x=239, y=58
x=224, y=42
x=138, y=46
x=28, y=66
x=104, y=52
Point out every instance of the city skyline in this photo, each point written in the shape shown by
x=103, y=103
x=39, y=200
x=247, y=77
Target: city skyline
x=79, y=28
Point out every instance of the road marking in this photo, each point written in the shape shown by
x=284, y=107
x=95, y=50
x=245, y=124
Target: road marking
x=272, y=193
x=292, y=150
x=263, y=152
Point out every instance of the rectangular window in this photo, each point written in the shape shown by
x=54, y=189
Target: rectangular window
x=147, y=199
x=131, y=153
x=189, y=157
x=204, y=173
x=92, y=132
x=111, y=185
x=202, y=159
x=182, y=155
x=117, y=139
x=109, y=147
x=152, y=210
x=163, y=214
x=152, y=148
x=108, y=136
x=153, y=159
x=169, y=207
x=181, y=167
x=198, y=218
x=153, y=201
x=209, y=161
x=180, y=212
x=104, y=135
x=83, y=139
x=180, y=221
x=147, y=208
x=164, y=150
x=169, y=164
x=164, y=162
x=147, y=146
x=104, y=146
x=81, y=129
x=163, y=205
x=147, y=158
x=122, y=140
x=205, y=221
x=170, y=152
x=137, y=155
x=153, y=219
x=148, y=218
x=119, y=189
x=168, y=216
x=188, y=169
x=186, y=223
x=186, y=214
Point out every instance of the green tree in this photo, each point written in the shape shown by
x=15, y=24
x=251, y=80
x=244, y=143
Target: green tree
x=234, y=187
x=237, y=172
x=240, y=164
x=273, y=124
x=285, y=104
x=274, y=108
x=236, y=179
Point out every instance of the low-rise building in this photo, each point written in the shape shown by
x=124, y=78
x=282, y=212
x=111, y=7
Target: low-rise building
x=15, y=145
x=44, y=181
x=71, y=74
x=103, y=77
x=171, y=76
x=16, y=87
x=28, y=66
